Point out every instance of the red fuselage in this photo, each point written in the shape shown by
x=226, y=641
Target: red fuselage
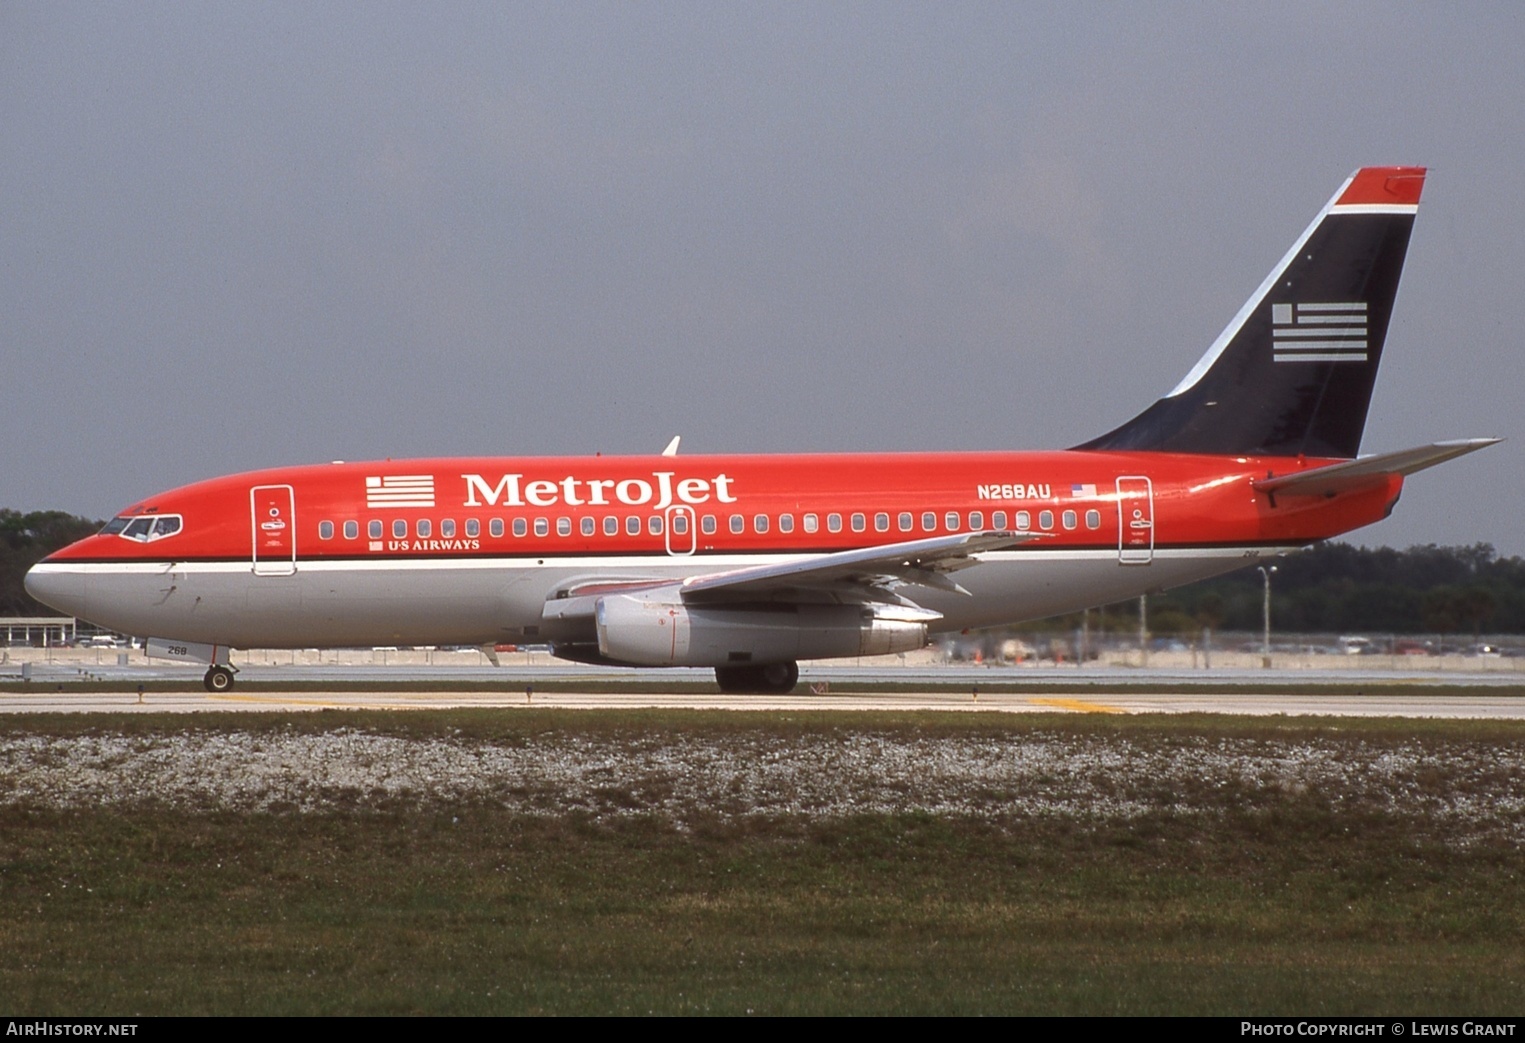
x=271, y=557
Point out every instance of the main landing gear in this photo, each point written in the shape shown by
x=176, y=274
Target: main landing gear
x=767, y=679
x=218, y=679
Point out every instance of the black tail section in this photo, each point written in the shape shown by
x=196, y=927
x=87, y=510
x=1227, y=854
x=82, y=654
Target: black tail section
x=1293, y=372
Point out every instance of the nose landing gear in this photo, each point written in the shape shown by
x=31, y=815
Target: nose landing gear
x=218, y=679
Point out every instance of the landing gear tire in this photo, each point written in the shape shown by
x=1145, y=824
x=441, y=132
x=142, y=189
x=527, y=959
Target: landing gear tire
x=218, y=679
x=768, y=679
x=778, y=678
x=732, y=679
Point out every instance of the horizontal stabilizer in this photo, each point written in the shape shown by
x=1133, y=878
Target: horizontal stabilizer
x=1352, y=474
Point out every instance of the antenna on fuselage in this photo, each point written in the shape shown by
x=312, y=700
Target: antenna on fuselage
x=672, y=447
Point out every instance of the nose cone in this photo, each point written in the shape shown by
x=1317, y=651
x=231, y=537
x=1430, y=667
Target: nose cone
x=58, y=587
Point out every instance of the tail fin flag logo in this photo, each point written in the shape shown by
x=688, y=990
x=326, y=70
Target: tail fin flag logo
x=399, y=490
x=1326, y=332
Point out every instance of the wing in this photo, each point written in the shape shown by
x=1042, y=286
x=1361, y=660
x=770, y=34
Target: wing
x=867, y=575
x=917, y=563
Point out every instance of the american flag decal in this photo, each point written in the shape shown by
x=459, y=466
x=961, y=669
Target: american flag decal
x=399, y=490
x=1333, y=332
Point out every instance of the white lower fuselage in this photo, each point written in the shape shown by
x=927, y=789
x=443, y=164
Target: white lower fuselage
x=474, y=602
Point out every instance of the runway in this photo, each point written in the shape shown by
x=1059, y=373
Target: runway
x=1463, y=688
x=1481, y=705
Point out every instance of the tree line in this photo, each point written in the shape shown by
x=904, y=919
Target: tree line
x=1336, y=588
x=1332, y=588
x=26, y=539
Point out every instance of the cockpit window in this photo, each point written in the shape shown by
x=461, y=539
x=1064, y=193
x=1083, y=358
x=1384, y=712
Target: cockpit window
x=145, y=528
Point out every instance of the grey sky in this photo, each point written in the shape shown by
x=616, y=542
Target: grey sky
x=238, y=236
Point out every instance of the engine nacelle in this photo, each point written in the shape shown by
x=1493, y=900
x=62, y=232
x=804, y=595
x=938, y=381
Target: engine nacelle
x=657, y=631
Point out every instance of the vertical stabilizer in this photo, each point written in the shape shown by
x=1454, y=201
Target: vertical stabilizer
x=1293, y=372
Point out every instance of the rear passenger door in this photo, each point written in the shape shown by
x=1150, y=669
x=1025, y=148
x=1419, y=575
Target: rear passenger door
x=1135, y=521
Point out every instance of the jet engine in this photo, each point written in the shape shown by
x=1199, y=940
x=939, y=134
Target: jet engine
x=659, y=631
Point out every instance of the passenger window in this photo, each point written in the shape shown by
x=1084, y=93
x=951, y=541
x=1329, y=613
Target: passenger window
x=351, y=529
x=786, y=523
x=632, y=526
x=952, y=519
x=834, y=523
x=373, y=528
x=654, y=525
x=325, y=530
x=1093, y=519
x=998, y=520
x=881, y=522
x=760, y=523
x=563, y=526
x=424, y=528
x=1069, y=519
x=589, y=527
x=906, y=521
x=708, y=524
x=812, y=523
x=399, y=529
x=680, y=524
x=447, y=529
x=738, y=523
x=474, y=528
x=859, y=522
x=928, y=522
x=1045, y=519
x=542, y=527
x=976, y=520
x=611, y=526
x=1024, y=521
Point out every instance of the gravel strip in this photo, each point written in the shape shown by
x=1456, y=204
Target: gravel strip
x=1462, y=790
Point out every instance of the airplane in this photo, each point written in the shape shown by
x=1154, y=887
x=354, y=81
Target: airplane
x=748, y=564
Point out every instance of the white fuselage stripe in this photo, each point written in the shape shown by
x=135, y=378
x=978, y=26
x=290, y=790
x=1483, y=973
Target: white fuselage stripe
x=710, y=563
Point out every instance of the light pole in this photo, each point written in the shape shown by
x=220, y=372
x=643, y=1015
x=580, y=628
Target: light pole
x=1265, y=640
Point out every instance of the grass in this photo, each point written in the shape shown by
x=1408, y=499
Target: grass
x=1274, y=902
